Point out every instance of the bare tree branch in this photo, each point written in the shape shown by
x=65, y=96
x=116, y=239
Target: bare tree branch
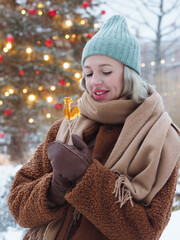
x=171, y=44
x=133, y=19
x=168, y=26
x=145, y=21
x=115, y=9
x=171, y=31
x=175, y=5
x=148, y=8
x=146, y=38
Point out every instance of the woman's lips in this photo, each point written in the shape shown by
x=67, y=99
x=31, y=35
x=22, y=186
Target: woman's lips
x=100, y=93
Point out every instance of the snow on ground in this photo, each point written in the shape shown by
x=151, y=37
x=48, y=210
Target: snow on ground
x=11, y=234
x=171, y=232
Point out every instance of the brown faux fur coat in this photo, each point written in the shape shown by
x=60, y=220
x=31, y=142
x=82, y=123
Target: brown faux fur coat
x=102, y=218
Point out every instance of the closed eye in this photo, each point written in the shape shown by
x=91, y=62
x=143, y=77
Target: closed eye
x=89, y=74
x=106, y=73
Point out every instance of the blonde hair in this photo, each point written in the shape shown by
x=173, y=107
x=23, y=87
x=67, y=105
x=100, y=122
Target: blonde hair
x=134, y=86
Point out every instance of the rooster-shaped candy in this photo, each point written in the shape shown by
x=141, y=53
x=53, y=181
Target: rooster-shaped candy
x=68, y=112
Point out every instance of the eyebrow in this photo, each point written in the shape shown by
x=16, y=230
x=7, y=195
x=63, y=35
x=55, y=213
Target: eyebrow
x=102, y=65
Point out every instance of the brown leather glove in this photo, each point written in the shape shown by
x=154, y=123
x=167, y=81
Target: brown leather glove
x=70, y=161
x=57, y=190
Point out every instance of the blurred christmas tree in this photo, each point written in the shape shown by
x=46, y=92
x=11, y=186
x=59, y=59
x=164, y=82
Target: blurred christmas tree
x=40, y=52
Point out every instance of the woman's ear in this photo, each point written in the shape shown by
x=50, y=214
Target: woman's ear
x=83, y=83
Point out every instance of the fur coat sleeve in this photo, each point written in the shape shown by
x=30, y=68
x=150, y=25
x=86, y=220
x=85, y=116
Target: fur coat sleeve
x=94, y=199
x=27, y=200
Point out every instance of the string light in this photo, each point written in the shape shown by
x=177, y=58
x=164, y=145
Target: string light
x=74, y=36
x=49, y=99
x=6, y=94
x=172, y=59
x=1, y=102
x=68, y=84
x=48, y=115
x=40, y=12
x=11, y=91
x=25, y=90
x=40, y=88
x=96, y=25
x=82, y=22
x=143, y=65
x=77, y=75
x=5, y=49
x=46, y=57
x=31, y=120
x=153, y=63
x=53, y=88
x=9, y=45
x=28, y=50
x=68, y=23
x=67, y=36
x=32, y=97
x=40, y=5
x=66, y=65
x=55, y=37
x=23, y=12
x=162, y=61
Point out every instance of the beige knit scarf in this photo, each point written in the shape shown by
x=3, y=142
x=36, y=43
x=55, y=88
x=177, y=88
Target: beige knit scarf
x=147, y=149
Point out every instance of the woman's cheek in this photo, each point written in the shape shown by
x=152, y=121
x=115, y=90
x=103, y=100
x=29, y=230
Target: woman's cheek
x=88, y=87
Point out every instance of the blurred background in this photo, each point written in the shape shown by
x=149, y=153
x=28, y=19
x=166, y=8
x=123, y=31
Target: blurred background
x=41, y=43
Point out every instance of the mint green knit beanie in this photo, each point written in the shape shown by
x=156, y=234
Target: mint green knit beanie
x=115, y=40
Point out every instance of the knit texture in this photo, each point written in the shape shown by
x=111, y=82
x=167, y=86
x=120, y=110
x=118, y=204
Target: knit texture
x=115, y=40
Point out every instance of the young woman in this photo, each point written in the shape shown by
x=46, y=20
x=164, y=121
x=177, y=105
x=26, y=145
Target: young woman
x=113, y=173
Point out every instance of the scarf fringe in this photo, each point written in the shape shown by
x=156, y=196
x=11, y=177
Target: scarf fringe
x=76, y=216
x=35, y=234
x=121, y=192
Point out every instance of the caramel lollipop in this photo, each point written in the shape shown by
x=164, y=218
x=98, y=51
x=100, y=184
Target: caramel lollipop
x=68, y=112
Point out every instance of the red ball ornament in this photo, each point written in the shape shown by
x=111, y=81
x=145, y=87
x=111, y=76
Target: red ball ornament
x=25, y=131
x=44, y=91
x=89, y=35
x=62, y=82
x=7, y=112
x=37, y=72
x=10, y=39
x=73, y=40
x=32, y=11
x=52, y=13
x=58, y=106
x=2, y=135
x=0, y=59
x=85, y=4
x=103, y=12
x=21, y=72
x=49, y=42
x=44, y=110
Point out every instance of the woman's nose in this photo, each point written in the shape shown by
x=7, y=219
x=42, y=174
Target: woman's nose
x=96, y=80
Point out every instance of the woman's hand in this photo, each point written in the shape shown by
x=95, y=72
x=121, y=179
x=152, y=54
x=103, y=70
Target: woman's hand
x=70, y=161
